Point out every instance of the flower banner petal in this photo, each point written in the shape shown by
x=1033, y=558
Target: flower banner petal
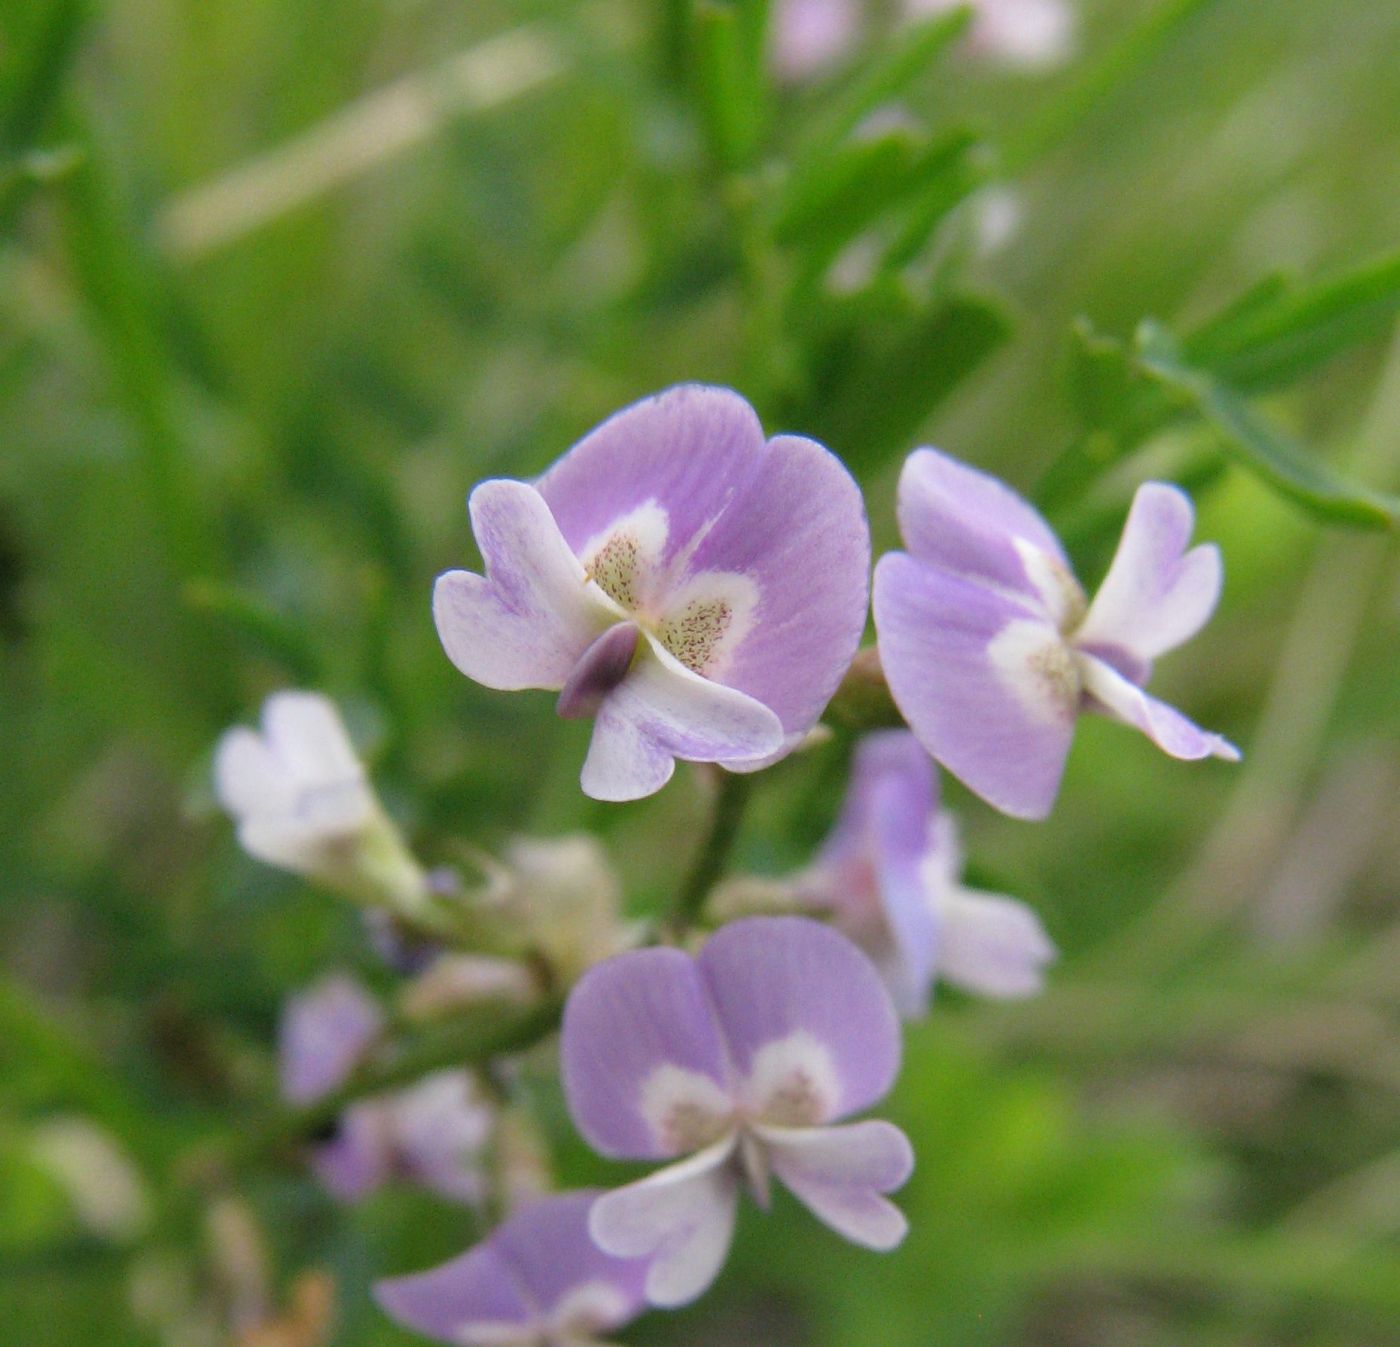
x=687, y=450
x=799, y=532
x=965, y=521
x=628, y=1021
x=779, y=980
x=475, y=1298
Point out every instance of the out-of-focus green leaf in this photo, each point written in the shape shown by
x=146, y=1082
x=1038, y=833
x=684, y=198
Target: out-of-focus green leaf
x=36, y=168
x=882, y=375
x=255, y=622
x=898, y=169
x=1278, y=332
x=1283, y=464
x=1099, y=376
x=729, y=80
x=1095, y=81
x=34, y=1211
x=947, y=180
x=32, y=67
x=858, y=181
x=902, y=60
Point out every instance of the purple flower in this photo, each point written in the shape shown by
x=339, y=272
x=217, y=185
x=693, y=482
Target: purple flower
x=537, y=1281
x=434, y=1132
x=696, y=590
x=737, y=1059
x=991, y=649
x=1026, y=33
x=811, y=36
x=889, y=874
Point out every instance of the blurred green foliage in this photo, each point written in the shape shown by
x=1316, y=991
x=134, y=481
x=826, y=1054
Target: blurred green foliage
x=256, y=344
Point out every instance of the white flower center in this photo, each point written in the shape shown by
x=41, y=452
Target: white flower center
x=1039, y=668
x=701, y=619
x=686, y=1110
x=1059, y=591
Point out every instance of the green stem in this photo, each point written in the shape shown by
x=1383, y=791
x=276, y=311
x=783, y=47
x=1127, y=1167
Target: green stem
x=731, y=799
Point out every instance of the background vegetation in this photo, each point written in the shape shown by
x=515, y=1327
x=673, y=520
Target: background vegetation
x=263, y=324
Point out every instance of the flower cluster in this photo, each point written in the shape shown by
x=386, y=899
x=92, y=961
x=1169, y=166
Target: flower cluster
x=434, y=1132
x=699, y=591
x=811, y=36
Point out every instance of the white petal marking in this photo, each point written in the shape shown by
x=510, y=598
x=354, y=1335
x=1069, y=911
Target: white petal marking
x=681, y=1216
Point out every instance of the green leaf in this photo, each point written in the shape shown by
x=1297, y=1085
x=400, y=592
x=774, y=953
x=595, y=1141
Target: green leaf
x=954, y=167
x=907, y=56
x=857, y=182
x=882, y=374
x=1278, y=332
x=1095, y=82
x=729, y=80
x=253, y=621
x=1282, y=463
x=34, y=65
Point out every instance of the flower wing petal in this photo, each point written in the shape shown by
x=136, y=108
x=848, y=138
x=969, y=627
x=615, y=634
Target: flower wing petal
x=776, y=980
x=838, y=1173
x=985, y=684
x=681, y=1217
x=663, y=711
x=991, y=944
x=1171, y=731
x=1157, y=594
x=304, y=730
x=903, y=805
x=526, y=622
x=639, y=1014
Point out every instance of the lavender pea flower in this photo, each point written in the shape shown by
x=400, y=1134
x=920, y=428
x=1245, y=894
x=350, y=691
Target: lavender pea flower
x=1031, y=34
x=991, y=649
x=695, y=589
x=889, y=874
x=811, y=36
x=434, y=1132
x=303, y=802
x=739, y=1060
x=537, y=1281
